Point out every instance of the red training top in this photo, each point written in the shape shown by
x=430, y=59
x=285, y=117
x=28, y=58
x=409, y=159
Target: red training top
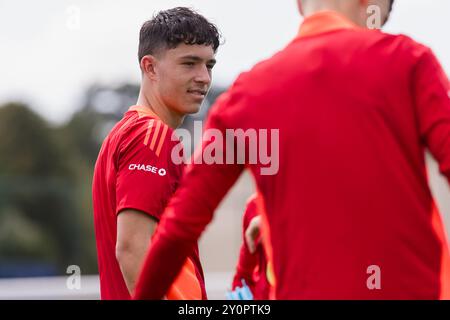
x=134, y=171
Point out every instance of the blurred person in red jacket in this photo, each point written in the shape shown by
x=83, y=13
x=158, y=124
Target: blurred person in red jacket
x=252, y=269
x=346, y=201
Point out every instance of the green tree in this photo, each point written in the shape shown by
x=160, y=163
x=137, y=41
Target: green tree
x=36, y=191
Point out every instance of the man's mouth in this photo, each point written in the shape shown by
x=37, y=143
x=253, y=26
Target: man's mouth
x=198, y=92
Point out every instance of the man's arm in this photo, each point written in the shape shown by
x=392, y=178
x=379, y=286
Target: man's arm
x=432, y=99
x=141, y=195
x=189, y=211
x=182, y=223
x=247, y=259
x=134, y=231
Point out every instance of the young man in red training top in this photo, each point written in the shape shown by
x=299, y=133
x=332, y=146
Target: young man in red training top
x=252, y=263
x=134, y=175
x=349, y=214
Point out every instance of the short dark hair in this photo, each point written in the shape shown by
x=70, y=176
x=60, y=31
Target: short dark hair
x=169, y=28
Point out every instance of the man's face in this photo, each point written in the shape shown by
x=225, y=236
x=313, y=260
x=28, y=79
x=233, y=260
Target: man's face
x=183, y=77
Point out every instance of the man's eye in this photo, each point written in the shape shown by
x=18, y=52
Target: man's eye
x=189, y=64
x=210, y=66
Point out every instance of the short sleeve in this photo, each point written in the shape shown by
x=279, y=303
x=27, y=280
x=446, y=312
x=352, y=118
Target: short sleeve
x=146, y=177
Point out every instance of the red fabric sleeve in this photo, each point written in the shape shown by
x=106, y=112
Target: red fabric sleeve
x=431, y=90
x=245, y=268
x=202, y=188
x=247, y=262
x=146, y=178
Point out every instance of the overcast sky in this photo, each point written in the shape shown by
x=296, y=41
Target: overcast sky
x=47, y=61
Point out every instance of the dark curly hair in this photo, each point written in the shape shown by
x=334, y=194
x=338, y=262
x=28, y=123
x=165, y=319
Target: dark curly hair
x=169, y=28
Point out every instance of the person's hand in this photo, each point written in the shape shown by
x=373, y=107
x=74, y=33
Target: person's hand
x=252, y=233
x=240, y=293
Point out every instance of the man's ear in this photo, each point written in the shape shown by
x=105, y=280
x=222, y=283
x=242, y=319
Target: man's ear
x=148, y=66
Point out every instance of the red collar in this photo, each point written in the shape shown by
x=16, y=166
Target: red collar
x=143, y=111
x=324, y=21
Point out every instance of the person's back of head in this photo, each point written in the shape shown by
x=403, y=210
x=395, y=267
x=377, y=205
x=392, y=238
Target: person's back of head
x=357, y=11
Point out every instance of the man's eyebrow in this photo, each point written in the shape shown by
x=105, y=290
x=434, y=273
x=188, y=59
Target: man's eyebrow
x=196, y=58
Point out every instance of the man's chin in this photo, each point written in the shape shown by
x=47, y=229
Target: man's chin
x=192, y=108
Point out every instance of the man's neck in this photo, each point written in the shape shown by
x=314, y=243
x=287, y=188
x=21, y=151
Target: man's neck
x=164, y=113
x=343, y=8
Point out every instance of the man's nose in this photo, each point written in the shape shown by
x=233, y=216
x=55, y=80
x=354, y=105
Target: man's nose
x=203, y=75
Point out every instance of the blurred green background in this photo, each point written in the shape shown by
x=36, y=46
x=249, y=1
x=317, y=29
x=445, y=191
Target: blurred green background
x=46, y=220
